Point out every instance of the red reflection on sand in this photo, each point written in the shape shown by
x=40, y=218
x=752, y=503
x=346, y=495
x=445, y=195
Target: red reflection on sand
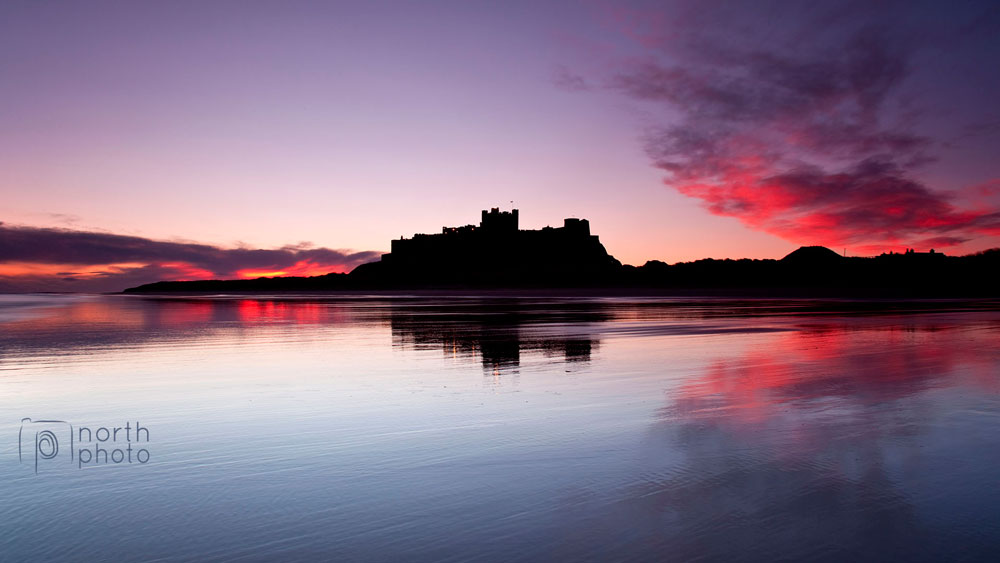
x=859, y=360
x=256, y=312
x=183, y=313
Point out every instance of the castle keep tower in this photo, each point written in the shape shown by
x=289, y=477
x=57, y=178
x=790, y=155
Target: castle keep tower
x=580, y=227
x=497, y=221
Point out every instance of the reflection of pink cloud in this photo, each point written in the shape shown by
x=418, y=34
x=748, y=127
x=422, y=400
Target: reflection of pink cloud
x=255, y=311
x=852, y=361
x=176, y=314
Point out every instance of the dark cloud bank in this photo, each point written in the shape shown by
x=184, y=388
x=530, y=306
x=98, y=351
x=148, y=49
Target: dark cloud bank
x=804, y=119
x=87, y=256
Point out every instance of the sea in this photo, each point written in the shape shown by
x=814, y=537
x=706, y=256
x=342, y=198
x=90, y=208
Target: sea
x=497, y=428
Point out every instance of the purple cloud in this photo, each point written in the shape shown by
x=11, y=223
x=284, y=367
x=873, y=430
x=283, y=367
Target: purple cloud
x=34, y=259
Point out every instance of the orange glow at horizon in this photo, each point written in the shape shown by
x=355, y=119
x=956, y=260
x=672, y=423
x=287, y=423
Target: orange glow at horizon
x=303, y=268
x=188, y=271
x=30, y=269
x=177, y=271
x=251, y=274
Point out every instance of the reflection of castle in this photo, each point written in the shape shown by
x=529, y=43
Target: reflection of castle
x=499, y=334
x=497, y=250
x=499, y=350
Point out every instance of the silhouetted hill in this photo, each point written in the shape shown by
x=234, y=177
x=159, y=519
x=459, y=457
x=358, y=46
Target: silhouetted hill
x=812, y=255
x=314, y=283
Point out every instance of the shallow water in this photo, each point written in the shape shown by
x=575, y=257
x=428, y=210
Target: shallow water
x=420, y=429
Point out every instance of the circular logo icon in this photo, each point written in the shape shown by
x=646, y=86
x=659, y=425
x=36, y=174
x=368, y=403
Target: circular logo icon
x=47, y=445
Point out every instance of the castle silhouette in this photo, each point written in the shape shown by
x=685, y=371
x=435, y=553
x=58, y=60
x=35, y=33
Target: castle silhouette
x=496, y=252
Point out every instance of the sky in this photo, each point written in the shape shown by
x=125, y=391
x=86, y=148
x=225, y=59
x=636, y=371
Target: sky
x=187, y=140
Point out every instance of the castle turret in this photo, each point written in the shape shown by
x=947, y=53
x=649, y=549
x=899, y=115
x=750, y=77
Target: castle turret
x=577, y=226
